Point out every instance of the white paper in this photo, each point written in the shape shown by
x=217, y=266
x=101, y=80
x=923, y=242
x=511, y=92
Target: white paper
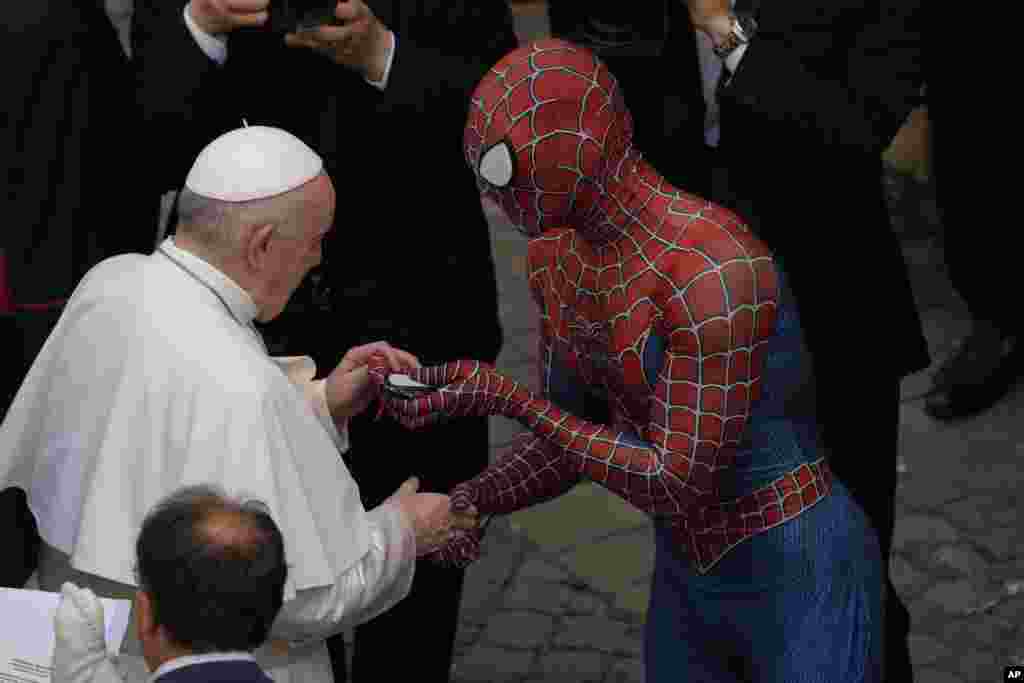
x=26, y=632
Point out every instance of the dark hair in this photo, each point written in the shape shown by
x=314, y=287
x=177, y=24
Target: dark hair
x=211, y=591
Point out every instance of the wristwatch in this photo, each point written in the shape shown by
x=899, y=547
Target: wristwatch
x=742, y=31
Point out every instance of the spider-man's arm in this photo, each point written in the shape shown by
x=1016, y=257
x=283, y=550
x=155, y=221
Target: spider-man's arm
x=532, y=470
x=714, y=323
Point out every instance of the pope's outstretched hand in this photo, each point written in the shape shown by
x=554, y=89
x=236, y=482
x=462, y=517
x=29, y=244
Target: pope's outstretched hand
x=80, y=646
x=349, y=387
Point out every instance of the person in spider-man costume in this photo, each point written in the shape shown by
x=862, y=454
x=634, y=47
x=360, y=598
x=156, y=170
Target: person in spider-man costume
x=666, y=309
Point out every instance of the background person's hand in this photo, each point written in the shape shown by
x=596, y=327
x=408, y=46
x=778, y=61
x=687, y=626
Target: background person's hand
x=349, y=388
x=218, y=17
x=711, y=17
x=361, y=43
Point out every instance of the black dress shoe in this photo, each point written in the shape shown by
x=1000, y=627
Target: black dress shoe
x=976, y=356
x=967, y=396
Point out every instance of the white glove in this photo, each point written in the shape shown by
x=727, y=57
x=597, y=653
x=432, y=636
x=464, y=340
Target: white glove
x=80, y=646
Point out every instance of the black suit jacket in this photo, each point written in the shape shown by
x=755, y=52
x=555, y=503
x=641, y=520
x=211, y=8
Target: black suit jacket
x=410, y=257
x=820, y=93
x=239, y=671
x=68, y=159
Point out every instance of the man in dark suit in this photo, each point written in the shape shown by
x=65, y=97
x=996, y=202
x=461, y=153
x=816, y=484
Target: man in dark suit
x=812, y=94
x=67, y=166
x=211, y=575
x=383, y=98
x=650, y=47
x=989, y=360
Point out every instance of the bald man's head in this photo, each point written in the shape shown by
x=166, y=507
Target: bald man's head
x=213, y=568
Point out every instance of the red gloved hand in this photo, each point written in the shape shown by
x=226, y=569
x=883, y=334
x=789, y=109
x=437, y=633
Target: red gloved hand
x=464, y=387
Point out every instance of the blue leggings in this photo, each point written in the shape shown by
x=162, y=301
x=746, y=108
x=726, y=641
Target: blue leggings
x=800, y=603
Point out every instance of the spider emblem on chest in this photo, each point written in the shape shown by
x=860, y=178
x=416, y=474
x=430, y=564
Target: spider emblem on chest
x=591, y=340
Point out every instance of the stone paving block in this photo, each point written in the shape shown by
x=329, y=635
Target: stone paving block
x=1009, y=514
x=613, y=564
x=953, y=596
x=1003, y=543
x=905, y=578
x=537, y=569
x=1011, y=610
x=980, y=631
x=484, y=664
x=583, y=602
x=518, y=629
x=629, y=670
x=961, y=560
x=925, y=649
x=467, y=634
x=922, y=529
x=932, y=482
x=539, y=596
x=935, y=676
x=593, y=633
x=970, y=514
x=573, y=666
x=980, y=666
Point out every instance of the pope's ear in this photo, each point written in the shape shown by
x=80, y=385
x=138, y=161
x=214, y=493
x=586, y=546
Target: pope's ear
x=257, y=246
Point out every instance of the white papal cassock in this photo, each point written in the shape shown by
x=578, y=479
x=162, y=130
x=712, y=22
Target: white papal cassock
x=154, y=378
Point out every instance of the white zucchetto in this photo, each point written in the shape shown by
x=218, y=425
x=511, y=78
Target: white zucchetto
x=255, y=162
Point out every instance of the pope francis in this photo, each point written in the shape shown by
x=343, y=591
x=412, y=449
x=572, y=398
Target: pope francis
x=155, y=378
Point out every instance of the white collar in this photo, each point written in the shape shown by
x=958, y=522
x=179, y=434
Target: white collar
x=188, y=660
x=236, y=299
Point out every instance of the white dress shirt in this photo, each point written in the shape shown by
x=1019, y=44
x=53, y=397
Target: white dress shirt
x=711, y=72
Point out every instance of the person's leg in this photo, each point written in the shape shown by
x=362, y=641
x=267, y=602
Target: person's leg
x=681, y=637
x=827, y=626
x=425, y=623
x=991, y=357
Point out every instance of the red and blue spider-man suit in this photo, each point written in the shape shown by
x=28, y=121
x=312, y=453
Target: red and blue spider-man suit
x=667, y=309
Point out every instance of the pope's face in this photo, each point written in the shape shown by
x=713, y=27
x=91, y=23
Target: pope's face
x=297, y=253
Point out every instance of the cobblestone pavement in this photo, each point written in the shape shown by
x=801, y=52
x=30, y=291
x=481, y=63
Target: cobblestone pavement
x=560, y=591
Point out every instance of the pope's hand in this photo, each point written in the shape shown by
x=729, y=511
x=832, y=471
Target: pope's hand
x=463, y=548
x=349, y=388
x=218, y=17
x=361, y=43
x=433, y=520
x=80, y=646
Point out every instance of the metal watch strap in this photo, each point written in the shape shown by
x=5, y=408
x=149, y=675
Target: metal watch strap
x=737, y=36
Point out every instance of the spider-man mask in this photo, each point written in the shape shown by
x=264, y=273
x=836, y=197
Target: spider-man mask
x=547, y=128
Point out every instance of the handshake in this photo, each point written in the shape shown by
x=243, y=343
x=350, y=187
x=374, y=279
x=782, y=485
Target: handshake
x=435, y=521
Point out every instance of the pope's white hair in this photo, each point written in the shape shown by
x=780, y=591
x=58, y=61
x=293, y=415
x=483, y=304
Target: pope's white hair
x=218, y=225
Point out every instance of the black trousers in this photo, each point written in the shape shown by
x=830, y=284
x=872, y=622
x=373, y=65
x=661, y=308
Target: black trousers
x=964, y=177
x=382, y=455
